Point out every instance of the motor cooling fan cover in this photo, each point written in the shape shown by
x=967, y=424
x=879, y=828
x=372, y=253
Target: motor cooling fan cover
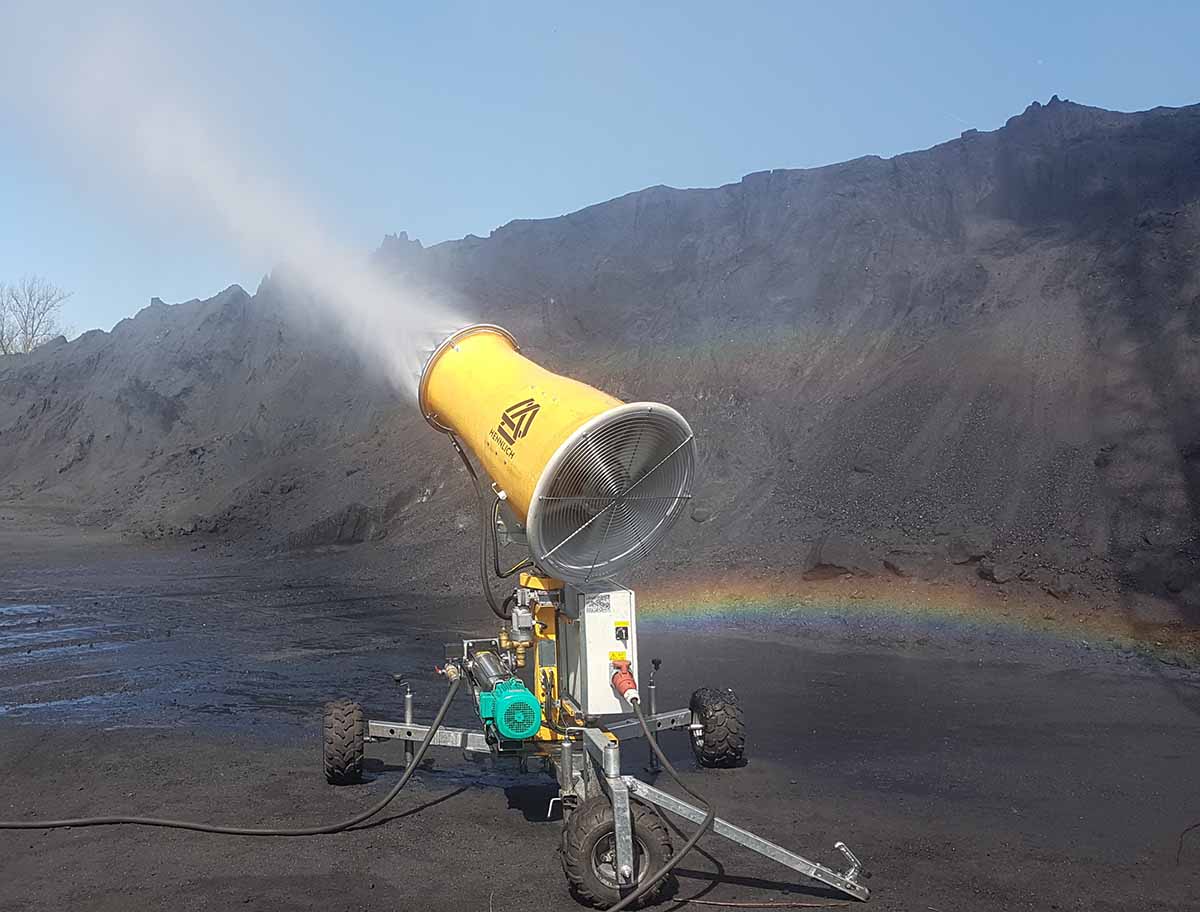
x=515, y=711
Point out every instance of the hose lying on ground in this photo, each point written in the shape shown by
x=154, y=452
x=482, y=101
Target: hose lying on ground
x=625, y=902
x=252, y=831
x=650, y=880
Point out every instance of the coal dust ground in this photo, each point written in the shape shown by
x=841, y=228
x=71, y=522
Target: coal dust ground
x=189, y=684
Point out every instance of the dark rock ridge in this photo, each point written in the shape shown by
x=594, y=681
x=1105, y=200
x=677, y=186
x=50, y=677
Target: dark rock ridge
x=984, y=352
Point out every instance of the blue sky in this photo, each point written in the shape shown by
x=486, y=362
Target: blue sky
x=446, y=119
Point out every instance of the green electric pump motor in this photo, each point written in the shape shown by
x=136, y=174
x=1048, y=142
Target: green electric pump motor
x=512, y=709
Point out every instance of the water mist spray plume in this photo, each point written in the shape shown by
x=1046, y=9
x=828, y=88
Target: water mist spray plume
x=124, y=98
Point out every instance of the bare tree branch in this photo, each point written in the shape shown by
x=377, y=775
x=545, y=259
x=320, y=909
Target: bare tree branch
x=7, y=325
x=29, y=314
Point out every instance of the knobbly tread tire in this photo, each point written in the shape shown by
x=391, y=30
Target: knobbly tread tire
x=722, y=744
x=587, y=824
x=342, y=754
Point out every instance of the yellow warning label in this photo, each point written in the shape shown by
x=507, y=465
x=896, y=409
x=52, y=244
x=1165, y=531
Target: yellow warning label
x=617, y=656
x=620, y=623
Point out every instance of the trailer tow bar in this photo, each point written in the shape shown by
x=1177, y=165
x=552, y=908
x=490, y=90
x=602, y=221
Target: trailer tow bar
x=847, y=882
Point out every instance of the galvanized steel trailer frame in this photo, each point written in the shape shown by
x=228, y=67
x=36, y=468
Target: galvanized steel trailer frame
x=588, y=763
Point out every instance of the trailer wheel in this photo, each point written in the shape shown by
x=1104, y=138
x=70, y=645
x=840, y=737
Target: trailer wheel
x=343, y=751
x=722, y=741
x=589, y=853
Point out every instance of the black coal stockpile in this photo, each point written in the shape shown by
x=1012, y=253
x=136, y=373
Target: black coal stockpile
x=980, y=357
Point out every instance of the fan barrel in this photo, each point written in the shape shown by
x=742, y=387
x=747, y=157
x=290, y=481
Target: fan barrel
x=597, y=482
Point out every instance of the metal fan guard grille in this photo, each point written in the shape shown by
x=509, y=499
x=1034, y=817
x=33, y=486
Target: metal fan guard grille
x=518, y=717
x=612, y=492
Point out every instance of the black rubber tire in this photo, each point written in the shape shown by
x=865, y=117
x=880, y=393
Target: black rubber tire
x=591, y=822
x=722, y=743
x=345, y=727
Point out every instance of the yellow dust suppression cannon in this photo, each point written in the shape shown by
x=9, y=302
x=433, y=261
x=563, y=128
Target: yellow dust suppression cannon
x=596, y=482
x=586, y=486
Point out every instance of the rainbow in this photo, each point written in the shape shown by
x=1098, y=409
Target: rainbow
x=908, y=605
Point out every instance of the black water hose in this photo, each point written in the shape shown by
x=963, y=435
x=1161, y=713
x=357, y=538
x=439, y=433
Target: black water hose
x=503, y=574
x=252, y=831
x=484, y=533
x=649, y=881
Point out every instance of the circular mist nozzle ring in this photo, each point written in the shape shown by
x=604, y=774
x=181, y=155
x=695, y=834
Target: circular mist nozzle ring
x=440, y=349
x=611, y=492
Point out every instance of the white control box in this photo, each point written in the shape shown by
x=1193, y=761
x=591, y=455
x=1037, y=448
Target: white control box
x=597, y=627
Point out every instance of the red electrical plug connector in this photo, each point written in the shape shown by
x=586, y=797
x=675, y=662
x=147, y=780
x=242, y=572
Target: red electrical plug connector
x=624, y=681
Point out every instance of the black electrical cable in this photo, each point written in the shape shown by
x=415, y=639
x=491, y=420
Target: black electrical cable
x=503, y=574
x=484, y=521
x=251, y=831
x=650, y=880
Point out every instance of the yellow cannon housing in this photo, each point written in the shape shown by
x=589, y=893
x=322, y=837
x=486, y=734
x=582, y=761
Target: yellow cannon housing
x=597, y=483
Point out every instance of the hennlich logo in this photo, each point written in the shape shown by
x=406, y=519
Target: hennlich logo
x=517, y=419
